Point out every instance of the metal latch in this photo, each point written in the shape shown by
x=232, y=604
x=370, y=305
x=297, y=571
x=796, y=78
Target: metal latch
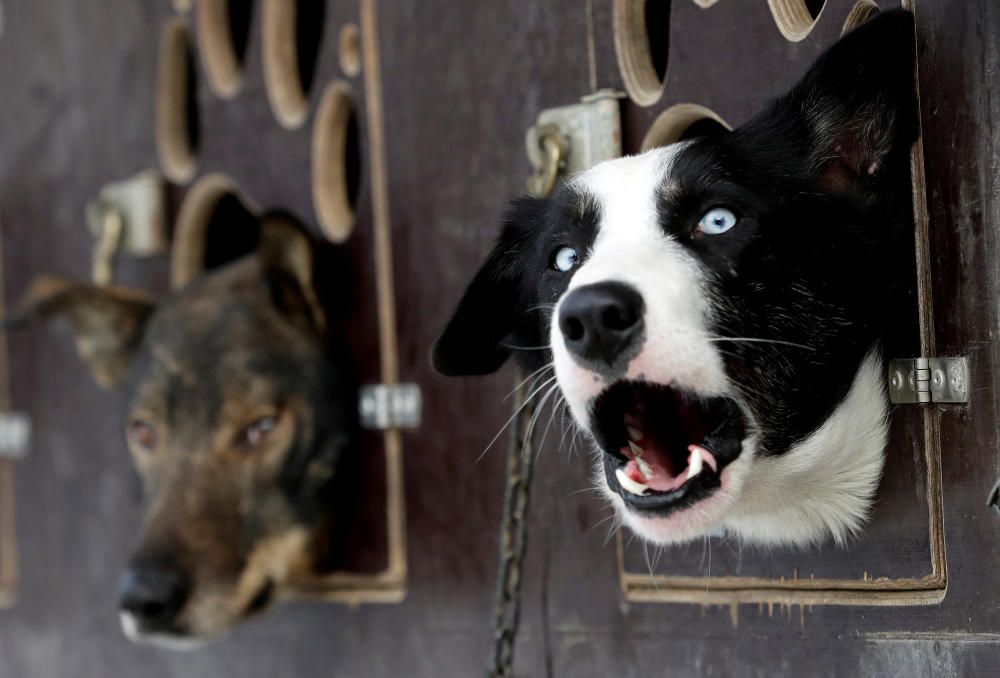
x=128, y=216
x=929, y=380
x=570, y=139
x=385, y=406
x=15, y=435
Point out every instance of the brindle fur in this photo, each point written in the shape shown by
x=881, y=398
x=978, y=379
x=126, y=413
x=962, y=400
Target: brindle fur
x=244, y=525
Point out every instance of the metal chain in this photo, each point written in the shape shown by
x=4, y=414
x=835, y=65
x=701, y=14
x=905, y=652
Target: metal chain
x=549, y=159
x=513, y=538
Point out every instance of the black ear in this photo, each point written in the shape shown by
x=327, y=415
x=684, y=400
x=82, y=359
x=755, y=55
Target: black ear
x=857, y=104
x=107, y=322
x=495, y=311
x=286, y=259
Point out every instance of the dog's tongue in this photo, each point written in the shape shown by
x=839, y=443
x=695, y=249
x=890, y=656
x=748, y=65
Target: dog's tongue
x=650, y=467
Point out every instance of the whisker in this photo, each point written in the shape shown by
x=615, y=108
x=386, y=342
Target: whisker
x=525, y=348
x=749, y=340
x=513, y=417
x=534, y=417
x=527, y=379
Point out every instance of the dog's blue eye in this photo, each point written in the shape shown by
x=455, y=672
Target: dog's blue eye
x=565, y=259
x=717, y=220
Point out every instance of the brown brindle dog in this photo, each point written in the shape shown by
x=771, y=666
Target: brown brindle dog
x=242, y=406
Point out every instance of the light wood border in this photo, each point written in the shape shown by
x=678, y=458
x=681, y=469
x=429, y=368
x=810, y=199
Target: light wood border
x=216, y=49
x=670, y=125
x=635, y=61
x=178, y=157
x=793, y=18
x=862, y=11
x=349, y=50
x=289, y=102
x=390, y=585
x=331, y=197
x=8, y=527
x=187, y=254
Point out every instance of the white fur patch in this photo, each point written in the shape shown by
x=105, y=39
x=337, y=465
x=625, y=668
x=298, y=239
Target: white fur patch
x=630, y=247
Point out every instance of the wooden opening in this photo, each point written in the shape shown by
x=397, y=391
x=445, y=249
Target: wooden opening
x=293, y=32
x=216, y=224
x=681, y=122
x=223, y=36
x=642, y=44
x=795, y=18
x=177, y=124
x=862, y=11
x=336, y=162
x=349, y=50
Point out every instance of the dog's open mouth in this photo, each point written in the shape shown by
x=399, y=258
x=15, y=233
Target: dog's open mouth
x=665, y=449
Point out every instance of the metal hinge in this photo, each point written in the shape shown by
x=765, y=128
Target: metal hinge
x=130, y=217
x=15, y=435
x=385, y=406
x=929, y=380
x=570, y=139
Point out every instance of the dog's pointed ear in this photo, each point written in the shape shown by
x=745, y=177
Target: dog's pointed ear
x=492, y=313
x=286, y=256
x=108, y=323
x=857, y=104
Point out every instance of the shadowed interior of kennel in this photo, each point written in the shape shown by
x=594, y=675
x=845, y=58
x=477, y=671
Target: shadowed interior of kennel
x=454, y=150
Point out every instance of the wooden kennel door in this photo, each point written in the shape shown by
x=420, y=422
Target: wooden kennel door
x=458, y=84
x=906, y=598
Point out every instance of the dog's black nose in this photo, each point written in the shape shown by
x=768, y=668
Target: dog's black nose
x=600, y=322
x=153, y=593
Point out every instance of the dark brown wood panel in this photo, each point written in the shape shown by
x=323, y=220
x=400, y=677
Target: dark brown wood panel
x=461, y=83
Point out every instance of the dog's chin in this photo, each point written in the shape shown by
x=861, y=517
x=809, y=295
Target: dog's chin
x=176, y=639
x=670, y=459
x=183, y=637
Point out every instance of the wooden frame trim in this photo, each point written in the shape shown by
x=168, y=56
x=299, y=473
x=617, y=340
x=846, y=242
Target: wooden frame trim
x=390, y=585
x=8, y=526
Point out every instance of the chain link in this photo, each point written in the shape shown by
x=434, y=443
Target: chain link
x=513, y=538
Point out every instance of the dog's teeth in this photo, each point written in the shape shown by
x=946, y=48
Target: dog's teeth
x=706, y=456
x=636, y=449
x=630, y=485
x=694, y=462
x=634, y=433
x=644, y=468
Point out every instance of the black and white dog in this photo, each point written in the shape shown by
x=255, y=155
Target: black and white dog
x=713, y=309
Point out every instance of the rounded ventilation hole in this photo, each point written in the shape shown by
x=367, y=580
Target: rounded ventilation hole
x=795, y=18
x=681, y=122
x=216, y=225
x=642, y=44
x=223, y=36
x=336, y=162
x=705, y=4
x=177, y=126
x=349, y=50
x=862, y=11
x=293, y=32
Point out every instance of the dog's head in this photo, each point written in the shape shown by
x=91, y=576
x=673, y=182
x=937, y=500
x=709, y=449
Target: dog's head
x=240, y=409
x=711, y=309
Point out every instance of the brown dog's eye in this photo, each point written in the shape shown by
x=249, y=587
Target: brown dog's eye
x=142, y=433
x=254, y=434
